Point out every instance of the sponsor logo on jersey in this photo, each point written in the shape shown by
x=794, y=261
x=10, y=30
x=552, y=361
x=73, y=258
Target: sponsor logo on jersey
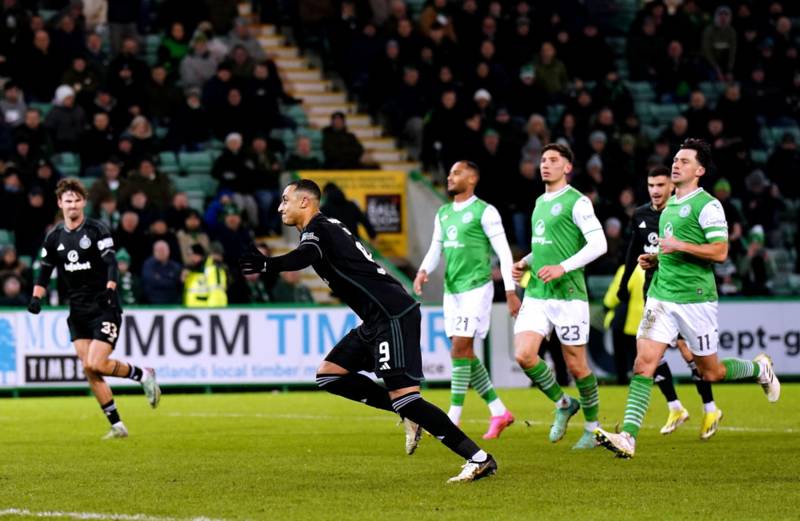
x=452, y=237
x=685, y=210
x=309, y=236
x=652, y=238
x=74, y=265
x=467, y=217
x=539, y=228
x=538, y=231
x=668, y=230
x=85, y=242
x=60, y=247
x=556, y=209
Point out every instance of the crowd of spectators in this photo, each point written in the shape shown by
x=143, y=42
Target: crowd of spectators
x=489, y=81
x=495, y=81
x=76, y=80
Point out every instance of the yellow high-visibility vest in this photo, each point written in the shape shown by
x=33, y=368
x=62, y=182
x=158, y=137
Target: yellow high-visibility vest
x=206, y=289
x=635, y=302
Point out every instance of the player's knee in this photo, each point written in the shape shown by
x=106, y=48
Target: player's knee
x=712, y=374
x=525, y=358
x=577, y=367
x=89, y=371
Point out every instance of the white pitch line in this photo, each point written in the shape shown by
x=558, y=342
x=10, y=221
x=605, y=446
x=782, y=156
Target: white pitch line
x=723, y=427
x=24, y=512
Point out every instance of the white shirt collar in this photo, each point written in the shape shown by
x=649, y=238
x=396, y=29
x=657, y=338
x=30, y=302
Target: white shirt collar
x=463, y=204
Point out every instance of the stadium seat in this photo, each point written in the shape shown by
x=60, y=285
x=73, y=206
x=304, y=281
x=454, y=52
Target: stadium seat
x=196, y=162
x=44, y=108
x=296, y=113
x=554, y=113
x=652, y=131
x=68, y=163
x=664, y=113
x=759, y=156
x=202, y=183
x=168, y=163
x=6, y=237
x=597, y=285
x=641, y=91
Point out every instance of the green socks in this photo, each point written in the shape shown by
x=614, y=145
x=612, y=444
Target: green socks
x=590, y=397
x=542, y=376
x=459, y=381
x=736, y=369
x=638, y=402
x=481, y=382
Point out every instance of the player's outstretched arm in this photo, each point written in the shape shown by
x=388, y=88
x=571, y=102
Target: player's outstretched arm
x=254, y=262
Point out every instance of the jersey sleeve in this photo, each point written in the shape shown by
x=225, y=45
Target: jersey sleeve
x=583, y=216
x=712, y=221
x=491, y=222
x=105, y=242
x=48, y=255
x=313, y=236
x=431, y=259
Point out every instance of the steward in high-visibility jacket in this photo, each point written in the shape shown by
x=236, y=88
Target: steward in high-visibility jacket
x=635, y=307
x=206, y=283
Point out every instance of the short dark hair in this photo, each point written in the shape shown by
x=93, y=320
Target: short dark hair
x=308, y=186
x=563, y=151
x=70, y=184
x=472, y=165
x=702, y=149
x=659, y=171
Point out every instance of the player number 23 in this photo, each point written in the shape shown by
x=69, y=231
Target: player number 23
x=571, y=333
x=109, y=329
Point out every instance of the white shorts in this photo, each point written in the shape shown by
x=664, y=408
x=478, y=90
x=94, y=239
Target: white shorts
x=468, y=314
x=696, y=323
x=570, y=318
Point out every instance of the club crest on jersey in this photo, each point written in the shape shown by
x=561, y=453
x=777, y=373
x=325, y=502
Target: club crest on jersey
x=467, y=217
x=668, y=230
x=85, y=242
x=685, y=210
x=556, y=209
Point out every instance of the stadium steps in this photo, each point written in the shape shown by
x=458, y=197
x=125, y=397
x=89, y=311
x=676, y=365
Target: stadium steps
x=321, y=99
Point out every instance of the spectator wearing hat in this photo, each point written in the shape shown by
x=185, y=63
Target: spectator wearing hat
x=161, y=277
x=198, y=66
x=719, y=44
x=191, y=234
x=527, y=96
x=756, y=267
x=341, y=147
x=129, y=286
x=13, y=104
x=97, y=145
x=65, y=121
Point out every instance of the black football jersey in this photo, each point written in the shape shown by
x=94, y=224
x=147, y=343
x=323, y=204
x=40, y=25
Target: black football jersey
x=644, y=239
x=351, y=273
x=79, y=257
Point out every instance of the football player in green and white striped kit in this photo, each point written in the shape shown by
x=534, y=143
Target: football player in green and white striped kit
x=467, y=230
x=566, y=236
x=693, y=235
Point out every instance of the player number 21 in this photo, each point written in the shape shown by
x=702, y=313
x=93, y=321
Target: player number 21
x=383, y=349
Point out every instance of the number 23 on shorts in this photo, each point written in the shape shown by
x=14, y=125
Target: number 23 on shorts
x=569, y=333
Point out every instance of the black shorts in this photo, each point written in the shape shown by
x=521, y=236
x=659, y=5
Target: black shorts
x=94, y=323
x=390, y=348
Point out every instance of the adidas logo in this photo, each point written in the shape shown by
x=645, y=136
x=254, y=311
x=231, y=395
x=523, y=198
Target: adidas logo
x=385, y=367
x=60, y=247
x=643, y=225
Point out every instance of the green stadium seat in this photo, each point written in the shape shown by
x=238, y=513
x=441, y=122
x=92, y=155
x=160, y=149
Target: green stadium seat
x=597, y=285
x=6, y=237
x=554, y=113
x=644, y=109
x=204, y=184
x=641, y=91
x=44, y=108
x=68, y=163
x=168, y=163
x=652, y=131
x=197, y=199
x=296, y=113
x=778, y=132
x=759, y=156
x=196, y=162
x=664, y=113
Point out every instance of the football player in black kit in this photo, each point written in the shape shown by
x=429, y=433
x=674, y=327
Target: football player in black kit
x=386, y=343
x=644, y=240
x=83, y=251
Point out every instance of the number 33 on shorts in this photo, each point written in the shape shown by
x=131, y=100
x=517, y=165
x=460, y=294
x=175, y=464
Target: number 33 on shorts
x=110, y=330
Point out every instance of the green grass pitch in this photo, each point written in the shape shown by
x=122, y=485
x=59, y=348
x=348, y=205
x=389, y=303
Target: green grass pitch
x=309, y=455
